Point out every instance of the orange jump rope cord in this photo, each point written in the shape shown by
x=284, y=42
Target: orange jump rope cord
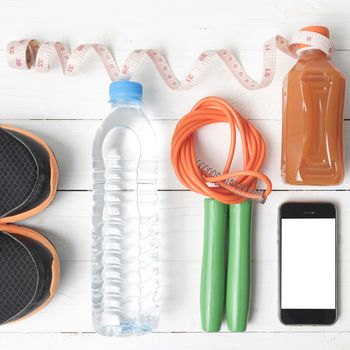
x=183, y=156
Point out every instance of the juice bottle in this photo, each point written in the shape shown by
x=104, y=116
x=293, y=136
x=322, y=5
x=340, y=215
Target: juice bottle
x=312, y=123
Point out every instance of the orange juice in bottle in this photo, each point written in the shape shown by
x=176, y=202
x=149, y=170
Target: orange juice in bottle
x=312, y=123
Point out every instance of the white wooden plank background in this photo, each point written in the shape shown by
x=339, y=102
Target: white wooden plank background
x=66, y=111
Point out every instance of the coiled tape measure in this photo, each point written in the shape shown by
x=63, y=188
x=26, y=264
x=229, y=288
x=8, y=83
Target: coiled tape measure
x=25, y=54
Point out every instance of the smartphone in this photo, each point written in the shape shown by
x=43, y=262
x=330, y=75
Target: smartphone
x=308, y=263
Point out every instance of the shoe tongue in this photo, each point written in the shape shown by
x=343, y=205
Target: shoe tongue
x=18, y=277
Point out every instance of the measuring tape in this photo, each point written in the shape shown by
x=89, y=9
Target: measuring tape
x=24, y=54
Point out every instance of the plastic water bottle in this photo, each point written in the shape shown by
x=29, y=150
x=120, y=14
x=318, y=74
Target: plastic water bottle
x=125, y=274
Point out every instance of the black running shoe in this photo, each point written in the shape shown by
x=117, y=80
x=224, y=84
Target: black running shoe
x=29, y=272
x=28, y=174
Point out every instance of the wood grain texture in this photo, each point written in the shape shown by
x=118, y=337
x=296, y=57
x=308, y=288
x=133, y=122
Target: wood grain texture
x=65, y=112
x=175, y=341
x=67, y=225
x=71, y=142
x=181, y=31
x=54, y=96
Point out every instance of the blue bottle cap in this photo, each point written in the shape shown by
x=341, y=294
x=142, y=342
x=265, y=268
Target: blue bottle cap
x=125, y=91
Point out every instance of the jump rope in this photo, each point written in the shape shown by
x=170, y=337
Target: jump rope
x=225, y=272
x=227, y=198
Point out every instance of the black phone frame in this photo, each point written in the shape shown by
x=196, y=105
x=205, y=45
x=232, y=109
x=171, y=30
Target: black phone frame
x=302, y=210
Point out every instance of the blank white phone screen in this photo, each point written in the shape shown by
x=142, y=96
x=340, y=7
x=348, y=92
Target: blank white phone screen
x=308, y=269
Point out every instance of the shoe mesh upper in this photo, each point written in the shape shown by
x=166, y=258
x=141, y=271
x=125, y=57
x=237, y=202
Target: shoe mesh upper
x=18, y=277
x=18, y=173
